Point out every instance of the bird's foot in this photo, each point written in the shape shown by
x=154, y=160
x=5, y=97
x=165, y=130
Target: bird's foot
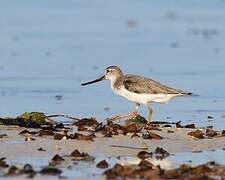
x=124, y=116
x=149, y=126
x=134, y=114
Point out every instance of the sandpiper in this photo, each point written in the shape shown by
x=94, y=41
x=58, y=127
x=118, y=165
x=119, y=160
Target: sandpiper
x=138, y=89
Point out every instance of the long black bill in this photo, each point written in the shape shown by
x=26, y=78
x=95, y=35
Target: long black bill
x=96, y=80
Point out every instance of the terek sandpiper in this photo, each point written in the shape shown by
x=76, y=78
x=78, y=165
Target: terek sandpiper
x=138, y=89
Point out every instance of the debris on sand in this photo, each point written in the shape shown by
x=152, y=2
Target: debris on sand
x=89, y=130
x=81, y=128
x=146, y=170
x=12, y=171
x=131, y=128
x=30, y=139
x=144, y=164
x=223, y=133
x=50, y=171
x=170, y=131
x=3, y=163
x=30, y=120
x=197, y=134
x=33, y=117
x=178, y=125
x=110, y=129
x=86, y=122
x=56, y=160
x=25, y=131
x=139, y=120
x=208, y=133
x=46, y=132
x=151, y=135
x=27, y=170
x=83, y=137
x=190, y=126
x=58, y=136
x=76, y=155
x=3, y=135
x=102, y=164
x=144, y=155
x=134, y=135
x=41, y=149
x=160, y=153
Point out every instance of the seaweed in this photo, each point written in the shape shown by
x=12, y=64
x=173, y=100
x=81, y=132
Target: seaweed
x=151, y=135
x=138, y=120
x=30, y=120
x=146, y=170
x=35, y=120
x=102, y=164
x=76, y=155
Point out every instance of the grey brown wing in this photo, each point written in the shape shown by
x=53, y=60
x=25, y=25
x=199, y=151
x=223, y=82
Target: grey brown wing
x=142, y=85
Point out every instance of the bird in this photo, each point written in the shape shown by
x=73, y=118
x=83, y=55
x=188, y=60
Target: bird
x=138, y=89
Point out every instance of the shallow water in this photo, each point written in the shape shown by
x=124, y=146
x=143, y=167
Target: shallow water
x=88, y=170
x=48, y=48
x=199, y=158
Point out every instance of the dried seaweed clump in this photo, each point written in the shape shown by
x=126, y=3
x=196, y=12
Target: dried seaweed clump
x=208, y=133
x=138, y=120
x=27, y=170
x=30, y=120
x=37, y=117
x=146, y=170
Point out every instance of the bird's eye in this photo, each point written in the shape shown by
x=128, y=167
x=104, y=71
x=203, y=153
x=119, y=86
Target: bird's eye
x=107, y=71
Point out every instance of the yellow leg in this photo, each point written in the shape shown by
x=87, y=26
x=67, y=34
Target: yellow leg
x=150, y=111
x=126, y=116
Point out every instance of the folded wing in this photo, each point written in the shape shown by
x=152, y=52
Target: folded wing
x=142, y=85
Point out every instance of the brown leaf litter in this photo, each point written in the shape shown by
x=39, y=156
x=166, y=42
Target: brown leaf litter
x=102, y=164
x=146, y=170
x=178, y=125
x=3, y=135
x=86, y=122
x=207, y=133
x=76, y=155
x=197, y=134
x=27, y=170
x=151, y=135
x=159, y=153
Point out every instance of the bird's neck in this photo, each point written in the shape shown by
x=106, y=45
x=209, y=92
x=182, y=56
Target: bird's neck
x=115, y=82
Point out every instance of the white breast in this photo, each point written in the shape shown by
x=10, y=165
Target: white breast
x=144, y=98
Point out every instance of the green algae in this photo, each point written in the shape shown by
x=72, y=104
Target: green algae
x=37, y=117
x=139, y=120
x=27, y=119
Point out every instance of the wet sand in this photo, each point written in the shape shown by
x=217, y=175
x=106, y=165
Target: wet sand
x=17, y=150
x=14, y=146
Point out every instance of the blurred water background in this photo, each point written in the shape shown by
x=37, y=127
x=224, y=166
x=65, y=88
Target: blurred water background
x=47, y=48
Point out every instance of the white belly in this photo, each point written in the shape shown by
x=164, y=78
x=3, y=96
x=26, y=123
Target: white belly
x=144, y=98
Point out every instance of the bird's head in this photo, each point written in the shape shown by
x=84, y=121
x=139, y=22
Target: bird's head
x=111, y=73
